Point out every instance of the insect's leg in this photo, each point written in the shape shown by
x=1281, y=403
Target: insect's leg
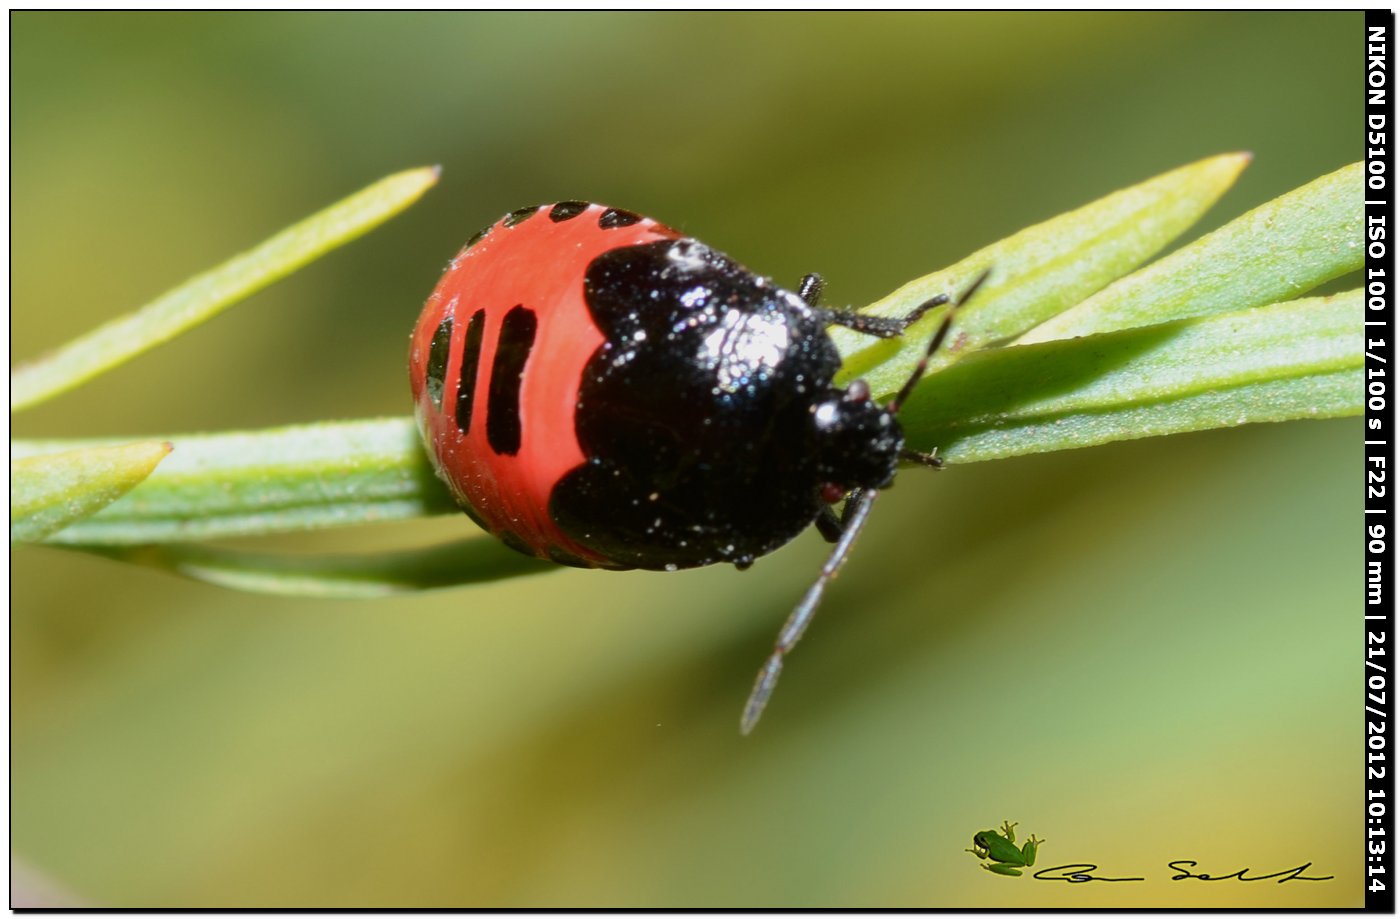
x=936, y=342
x=887, y=327
x=810, y=288
x=830, y=525
x=917, y=312
x=857, y=513
x=929, y=459
x=880, y=326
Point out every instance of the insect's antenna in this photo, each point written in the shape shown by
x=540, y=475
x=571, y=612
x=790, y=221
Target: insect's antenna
x=936, y=342
x=856, y=514
x=854, y=518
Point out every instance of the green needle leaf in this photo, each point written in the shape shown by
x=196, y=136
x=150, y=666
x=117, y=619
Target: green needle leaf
x=353, y=577
x=49, y=492
x=294, y=478
x=1204, y=368
x=1279, y=250
x=204, y=296
x=1299, y=359
x=1042, y=270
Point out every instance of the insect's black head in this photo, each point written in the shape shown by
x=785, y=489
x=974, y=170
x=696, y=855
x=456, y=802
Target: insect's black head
x=857, y=439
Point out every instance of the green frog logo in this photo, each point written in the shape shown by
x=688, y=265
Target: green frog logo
x=999, y=850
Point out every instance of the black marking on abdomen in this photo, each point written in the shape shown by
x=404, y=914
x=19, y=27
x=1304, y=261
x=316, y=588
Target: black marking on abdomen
x=472, y=513
x=567, y=210
x=478, y=236
x=520, y=215
x=507, y=368
x=466, y=382
x=613, y=217
x=564, y=557
x=513, y=540
x=437, y=361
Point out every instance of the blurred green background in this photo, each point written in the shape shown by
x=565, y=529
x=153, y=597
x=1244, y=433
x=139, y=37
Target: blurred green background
x=1140, y=652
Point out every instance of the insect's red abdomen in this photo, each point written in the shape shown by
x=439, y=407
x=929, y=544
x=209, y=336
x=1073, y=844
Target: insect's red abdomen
x=496, y=361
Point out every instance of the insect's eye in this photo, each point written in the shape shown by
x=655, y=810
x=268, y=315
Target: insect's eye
x=858, y=391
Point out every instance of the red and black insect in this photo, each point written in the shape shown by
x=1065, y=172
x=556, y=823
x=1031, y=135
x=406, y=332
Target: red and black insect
x=599, y=390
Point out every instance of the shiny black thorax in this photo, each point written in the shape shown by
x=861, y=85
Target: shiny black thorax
x=708, y=416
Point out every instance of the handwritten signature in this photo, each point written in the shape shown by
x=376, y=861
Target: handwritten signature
x=1081, y=873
